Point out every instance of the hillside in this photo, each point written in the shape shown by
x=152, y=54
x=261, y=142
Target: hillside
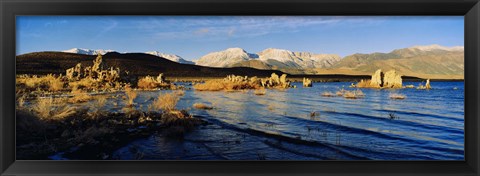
x=136, y=63
x=422, y=61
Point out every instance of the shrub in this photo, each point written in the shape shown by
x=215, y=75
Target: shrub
x=79, y=96
x=48, y=109
x=164, y=102
x=131, y=95
x=54, y=84
x=178, y=118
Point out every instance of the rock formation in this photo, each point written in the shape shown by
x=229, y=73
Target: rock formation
x=96, y=72
x=149, y=82
x=379, y=80
x=275, y=81
x=392, y=80
x=75, y=72
x=427, y=85
x=307, y=82
x=376, y=81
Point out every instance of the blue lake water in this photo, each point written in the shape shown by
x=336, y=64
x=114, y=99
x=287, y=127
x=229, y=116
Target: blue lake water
x=428, y=125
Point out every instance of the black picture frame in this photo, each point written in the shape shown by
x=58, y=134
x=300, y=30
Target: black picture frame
x=11, y=8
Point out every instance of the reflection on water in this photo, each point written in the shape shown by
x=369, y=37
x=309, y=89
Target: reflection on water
x=300, y=124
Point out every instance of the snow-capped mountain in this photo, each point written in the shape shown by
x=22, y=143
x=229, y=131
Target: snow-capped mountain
x=299, y=60
x=437, y=47
x=279, y=58
x=225, y=58
x=87, y=51
x=171, y=57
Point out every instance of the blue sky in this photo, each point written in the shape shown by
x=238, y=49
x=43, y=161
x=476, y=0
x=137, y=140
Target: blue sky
x=194, y=36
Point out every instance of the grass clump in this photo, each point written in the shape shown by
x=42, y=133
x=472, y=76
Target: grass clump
x=50, y=109
x=201, y=106
x=353, y=94
x=49, y=82
x=79, y=96
x=131, y=95
x=165, y=102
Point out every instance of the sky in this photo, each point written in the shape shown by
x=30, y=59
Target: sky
x=194, y=36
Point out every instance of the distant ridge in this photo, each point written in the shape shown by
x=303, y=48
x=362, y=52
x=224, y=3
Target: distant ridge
x=171, y=57
x=139, y=64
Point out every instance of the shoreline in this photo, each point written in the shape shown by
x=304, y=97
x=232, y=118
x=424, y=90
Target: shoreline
x=314, y=78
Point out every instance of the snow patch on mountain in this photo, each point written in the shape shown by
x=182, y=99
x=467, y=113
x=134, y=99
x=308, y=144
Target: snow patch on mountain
x=88, y=51
x=437, y=47
x=171, y=57
x=225, y=58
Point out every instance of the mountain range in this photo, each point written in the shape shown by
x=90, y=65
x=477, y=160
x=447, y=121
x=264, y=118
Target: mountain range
x=431, y=61
x=171, y=57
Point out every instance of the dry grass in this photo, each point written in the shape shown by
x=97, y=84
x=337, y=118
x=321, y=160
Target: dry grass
x=165, y=102
x=201, y=106
x=54, y=83
x=218, y=85
x=131, y=95
x=101, y=101
x=397, y=96
x=235, y=83
x=353, y=94
x=149, y=82
x=21, y=101
x=85, y=83
x=46, y=83
x=328, y=94
x=178, y=118
x=363, y=83
x=49, y=109
x=79, y=96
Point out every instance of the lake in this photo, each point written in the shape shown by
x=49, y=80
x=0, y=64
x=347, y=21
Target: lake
x=300, y=124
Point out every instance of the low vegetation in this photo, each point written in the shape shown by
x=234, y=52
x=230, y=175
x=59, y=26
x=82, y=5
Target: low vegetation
x=201, y=106
x=51, y=117
x=353, y=94
x=234, y=83
x=90, y=128
x=150, y=82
